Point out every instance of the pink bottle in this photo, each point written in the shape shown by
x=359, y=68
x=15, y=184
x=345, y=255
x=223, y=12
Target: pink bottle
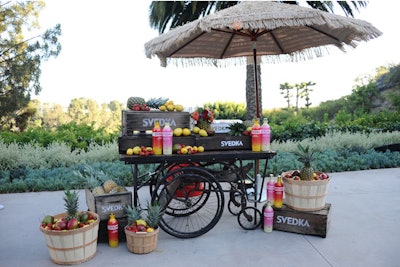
x=270, y=189
x=265, y=136
x=268, y=218
x=167, y=139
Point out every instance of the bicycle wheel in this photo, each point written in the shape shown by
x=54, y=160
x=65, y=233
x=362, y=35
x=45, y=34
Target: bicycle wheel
x=249, y=218
x=192, y=202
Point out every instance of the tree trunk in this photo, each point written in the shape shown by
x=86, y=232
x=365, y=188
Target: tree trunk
x=251, y=91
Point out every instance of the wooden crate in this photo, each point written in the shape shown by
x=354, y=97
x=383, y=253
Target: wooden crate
x=106, y=204
x=103, y=232
x=144, y=120
x=302, y=222
x=224, y=142
x=125, y=142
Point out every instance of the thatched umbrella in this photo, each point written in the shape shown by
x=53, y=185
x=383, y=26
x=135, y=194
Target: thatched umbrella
x=273, y=31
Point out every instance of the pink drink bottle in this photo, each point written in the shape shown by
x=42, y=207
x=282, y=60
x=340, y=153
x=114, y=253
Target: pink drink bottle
x=265, y=136
x=167, y=139
x=268, y=218
x=270, y=189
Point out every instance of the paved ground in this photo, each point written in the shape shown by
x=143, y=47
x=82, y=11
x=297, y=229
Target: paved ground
x=364, y=231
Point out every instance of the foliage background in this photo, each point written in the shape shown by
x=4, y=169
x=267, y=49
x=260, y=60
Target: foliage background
x=350, y=133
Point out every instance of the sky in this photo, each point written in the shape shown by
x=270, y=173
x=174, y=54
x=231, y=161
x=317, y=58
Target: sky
x=103, y=59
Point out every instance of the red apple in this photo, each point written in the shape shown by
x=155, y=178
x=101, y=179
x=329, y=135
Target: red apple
x=72, y=224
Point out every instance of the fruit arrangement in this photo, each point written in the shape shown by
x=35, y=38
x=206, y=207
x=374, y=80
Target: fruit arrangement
x=176, y=149
x=73, y=219
x=171, y=106
x=137, y=223
x=306, y=173
x=140, y=150
x=295, y=175
x=239, y=128
x=138, y=103
x=183, y=149
x=98, y=182
x=203, y=119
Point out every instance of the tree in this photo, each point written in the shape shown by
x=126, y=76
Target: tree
x=285, y=91
x=20, y=59
x=306, y=92
x=170, y=14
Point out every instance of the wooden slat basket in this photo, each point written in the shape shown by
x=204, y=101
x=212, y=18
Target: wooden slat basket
x=305, y=195
x=72, y=246
x=141, y=243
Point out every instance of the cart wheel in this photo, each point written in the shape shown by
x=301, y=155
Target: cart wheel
x=192, y=202
x=249, y=218
x=236, y=202
x=158, y=173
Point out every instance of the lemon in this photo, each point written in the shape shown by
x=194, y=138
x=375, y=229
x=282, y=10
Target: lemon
x=184, y=150
x=179, y=108
x=129, y=151
x=186, y=132
x=136, y=150
x=200, y=149
x=203, y=133
x=169, y=102
x=170, y=107
x=177, y=131
x=196, y=130
x=163, y=108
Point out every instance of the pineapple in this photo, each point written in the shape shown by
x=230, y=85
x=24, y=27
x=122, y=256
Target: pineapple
x=135, y=100
x=133, y=214
x=306, y=156
x=153, y=214
x=118, y=189
x=237, y=128
x=109, y=185
x=95, y=186
x=156, y=102
x=92, y=178
x=98, y=191
x=203, y=125
x=71, y=203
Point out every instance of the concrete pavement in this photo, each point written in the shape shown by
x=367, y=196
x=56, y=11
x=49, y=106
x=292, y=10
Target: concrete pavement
x=364, y=231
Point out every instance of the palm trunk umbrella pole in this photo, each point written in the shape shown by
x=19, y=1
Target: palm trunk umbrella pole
x=258, y=115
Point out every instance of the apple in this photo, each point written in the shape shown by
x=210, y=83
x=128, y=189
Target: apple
x=176, y=148
x=61, y=224
x=323, y=176
x=141, y=228
x=295, y=173
x=72, y=224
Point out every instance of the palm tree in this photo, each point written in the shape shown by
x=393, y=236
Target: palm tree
x=166, y=15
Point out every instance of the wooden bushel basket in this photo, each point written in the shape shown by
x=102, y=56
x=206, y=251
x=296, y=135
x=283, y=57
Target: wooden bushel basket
x=141, y=242
x=305, y=195
x=72, y=246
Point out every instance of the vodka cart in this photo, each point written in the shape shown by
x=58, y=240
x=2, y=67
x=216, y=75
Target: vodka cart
x=191, y=187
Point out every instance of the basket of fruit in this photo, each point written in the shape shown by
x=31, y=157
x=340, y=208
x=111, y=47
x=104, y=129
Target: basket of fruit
x=305, y=189
x=71, y=237
x=142, y=233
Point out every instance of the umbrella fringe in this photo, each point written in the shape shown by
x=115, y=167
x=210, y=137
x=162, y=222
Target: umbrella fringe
x=304, y=55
